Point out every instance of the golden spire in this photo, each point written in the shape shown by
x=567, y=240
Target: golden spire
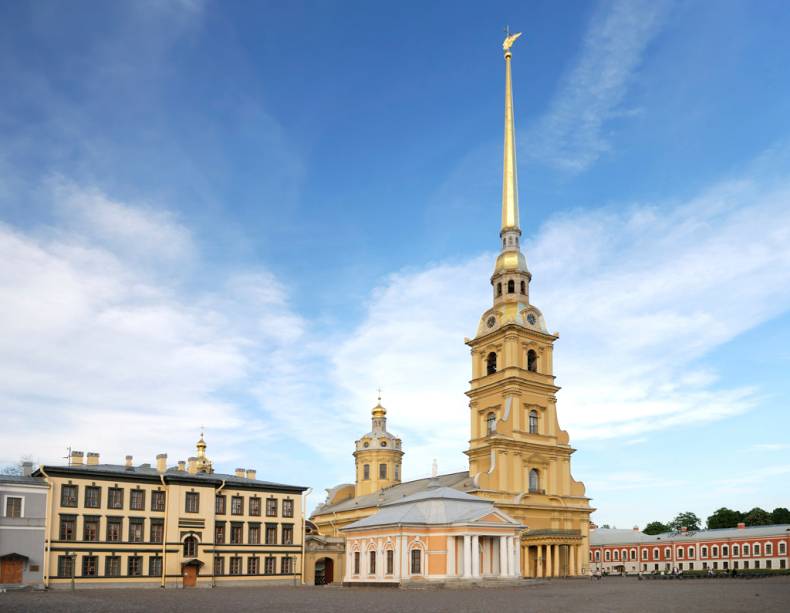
x=509, y=176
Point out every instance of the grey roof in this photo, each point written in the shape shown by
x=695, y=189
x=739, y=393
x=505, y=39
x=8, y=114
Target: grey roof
x=613, y=536
x=459, y=481
x=435, y=506
x=146, y=471
x=22, y=480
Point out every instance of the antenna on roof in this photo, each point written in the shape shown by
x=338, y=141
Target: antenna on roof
x=68, y=455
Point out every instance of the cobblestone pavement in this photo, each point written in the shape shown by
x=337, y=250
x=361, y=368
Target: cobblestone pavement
x=610, y=595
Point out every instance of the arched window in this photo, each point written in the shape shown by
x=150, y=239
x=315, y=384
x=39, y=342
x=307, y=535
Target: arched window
x=534, y=480
x=523, y=288
x=511, y=287
x=532, y=361
x=491, y=363
x=498, y=289
x=597, y=555
x=491, y=423
x=416, y=561
x=616, y=554
x=725, y=551
x=533, y=422
x=606, y=555
x=190, y=547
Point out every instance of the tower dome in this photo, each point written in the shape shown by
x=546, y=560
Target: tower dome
x=378, y=455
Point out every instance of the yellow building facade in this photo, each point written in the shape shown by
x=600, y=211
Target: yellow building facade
x=159, y=526
x=519, y=457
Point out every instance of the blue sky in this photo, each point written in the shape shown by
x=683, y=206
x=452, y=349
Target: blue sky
x=251, y=215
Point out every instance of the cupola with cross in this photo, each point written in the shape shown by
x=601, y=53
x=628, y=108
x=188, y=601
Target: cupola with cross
x=378, y=456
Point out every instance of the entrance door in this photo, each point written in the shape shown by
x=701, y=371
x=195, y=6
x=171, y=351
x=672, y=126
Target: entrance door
x=190, y=575
x=11, y=570
x=324, y=571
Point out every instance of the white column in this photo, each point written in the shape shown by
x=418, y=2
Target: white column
x=451, y=556
x=467, y=555
x=512, y=558
x=503, y=555
x=475, y=556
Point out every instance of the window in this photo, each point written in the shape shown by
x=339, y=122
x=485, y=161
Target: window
x=219, y=505
x=271, y=507
x=136, y=529
x=287, y=566
x=382, y=471
x=534, y=480
x=667, y=553
x=92, y=497
x=598, y=555
x=155, y=566
x=703, y=552
x=416, y=562
x=219, y=532
x=523, y=288
x=735, y=550
x=268, y=566
x=157, y=501
x=745, y=550
x=725, y=551
x=397, y=472
x=680, y=553
x=644, y=554
x=288, y=534
x=236, y=533
x=190, y=547
x=532, y=361
x=356, y=562
x=756, y=549
x=782, y=564
x=137, y=500
x=135, y=566
x=90, y=528
x=769, y=549
x=13, y=506
x=65, y=566
x=114, y=529
x=114, y=498
x=252, y=565
x=90, y=566
x=157, y=531
x=68, y=496
x=254, y=535
x=655, y=553
x=390, y=561
x=235, y=565
x=756, y=563
x=511, y=287
x=372, y=564
x=533, y=422
x=192, y=502
x=715, y=551
x=782, y=548
x=491, y=423
x=219, y=565
x=68, y=525
x=491, y=363
x=691, y=552
x=288, y=505
x=237, y=505
x=498, y=289
x=745, y=564
x=255, y=506
x=366, y=472
x=112, y=566
x=271, y=534
x=633, y=554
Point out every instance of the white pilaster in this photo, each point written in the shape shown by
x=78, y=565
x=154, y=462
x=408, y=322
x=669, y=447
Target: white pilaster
x=451, y=556
x=404, y=570
x=467, y=555
x=475, y=555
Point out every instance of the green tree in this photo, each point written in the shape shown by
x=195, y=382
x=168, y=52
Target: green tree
x=687, y=520
x=655, y=527
x=725, y=518
x=780, y=515
x=606, y=526
x=757, y=517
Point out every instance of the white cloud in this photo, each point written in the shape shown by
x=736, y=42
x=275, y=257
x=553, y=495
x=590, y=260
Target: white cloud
x=571, y=135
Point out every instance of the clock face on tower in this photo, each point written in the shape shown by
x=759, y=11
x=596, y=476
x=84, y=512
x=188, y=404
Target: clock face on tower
x=491, y=321
x=531, y=319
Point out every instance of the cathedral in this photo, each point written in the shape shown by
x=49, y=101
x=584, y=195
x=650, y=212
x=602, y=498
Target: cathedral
x=519, y=458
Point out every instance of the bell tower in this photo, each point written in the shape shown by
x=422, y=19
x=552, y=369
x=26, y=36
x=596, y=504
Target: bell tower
x=378, y=456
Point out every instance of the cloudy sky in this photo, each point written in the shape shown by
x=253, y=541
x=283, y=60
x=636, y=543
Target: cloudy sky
x=250, y=216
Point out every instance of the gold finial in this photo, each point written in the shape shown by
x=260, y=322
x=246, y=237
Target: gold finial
x=509, y=40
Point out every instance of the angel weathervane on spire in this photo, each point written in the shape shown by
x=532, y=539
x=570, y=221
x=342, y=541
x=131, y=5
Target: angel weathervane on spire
x=509, y=39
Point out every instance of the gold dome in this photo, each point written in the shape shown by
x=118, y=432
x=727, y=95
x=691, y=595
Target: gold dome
x=511, y=261
x=378, y=411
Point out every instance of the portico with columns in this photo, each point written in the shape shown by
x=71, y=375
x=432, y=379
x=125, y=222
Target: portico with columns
x=552, y=553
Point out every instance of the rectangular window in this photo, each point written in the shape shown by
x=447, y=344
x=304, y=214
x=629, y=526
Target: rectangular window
x=366, y=472
x=255, y=506
x=680, y=553
x=268, y=566
x=155, y=566
x=112, y=566
x=667, y=553
x=114, y=498
x=736, y=550
x=715, y=551
x=235, y=565
x=655, y=554
x=219, y=565
x=90, y=528
x=137, y=500
x=769, y=549
x=92, y=497
x=715, y=566
x=236, y=533
x=768, y=563
x=372, y=564
x=90, y=566
x=757, y=549
x=382, y=471
x=287, y=566
x=356, y=562
x=704, y=566
x=157, y=531
x=136, y=529
x=725, y=551
x=254, y=535
x=13, y=506
x=725, y=565
x=288, y=508
x=703, y=552
x=782, y=564
x=416, y=562
x=157, y=501
x=691, y=552
x=65, y=566
x=757, y=563
x=390, y=561
x=68, y=496
x=745, y=564
x=745, y=550
x=644, y=554
x=271, y=534
x=397, y=472
x=114, y=529
x=271, y=507
x=781, y=548
x=252, y=566
x=219, y=533
x=68, y=526
x=219, y=504
x=237, y=505
x=288, y=534
x=192, y=502
x=135, y=566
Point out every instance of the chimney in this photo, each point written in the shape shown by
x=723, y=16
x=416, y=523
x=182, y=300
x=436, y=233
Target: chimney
x=192, y=463
x=128, y=461
x=93, y=458
x=636, y=528
x=741, y=525
x=251, y=472
x=76, y=458
x=182, y=465
x=684, y=529
x=161, y=462
x=240, y=472
x=27, y=469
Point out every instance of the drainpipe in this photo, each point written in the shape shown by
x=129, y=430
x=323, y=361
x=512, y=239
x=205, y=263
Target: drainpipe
x=305, y=494
x=213, y=576
x=47, y=525
x=164, y=529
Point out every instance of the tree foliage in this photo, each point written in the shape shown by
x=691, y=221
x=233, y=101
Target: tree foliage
x=687, y=520
x=780, y=515
x=757, y=517
x=725, y=518
x=655, y=527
